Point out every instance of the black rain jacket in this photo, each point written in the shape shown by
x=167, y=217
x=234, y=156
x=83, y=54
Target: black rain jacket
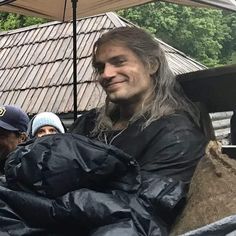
x=67, y=184
x=170, y=146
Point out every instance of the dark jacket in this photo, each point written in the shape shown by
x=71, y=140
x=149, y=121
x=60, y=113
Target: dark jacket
x=170, y=146
x=67, y=184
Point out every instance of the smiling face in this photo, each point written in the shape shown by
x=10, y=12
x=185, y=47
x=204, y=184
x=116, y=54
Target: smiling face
x=122, y=74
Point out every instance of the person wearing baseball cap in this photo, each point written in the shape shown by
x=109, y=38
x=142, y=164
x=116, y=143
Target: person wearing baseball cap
x=13, y=127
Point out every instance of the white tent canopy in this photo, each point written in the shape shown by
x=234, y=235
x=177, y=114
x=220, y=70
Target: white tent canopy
x=62, y=9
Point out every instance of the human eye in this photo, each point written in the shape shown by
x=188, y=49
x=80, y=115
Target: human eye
x=118, y=61
x=99, y=67
x=3, y=133
x=53, y=131
x=40, y=132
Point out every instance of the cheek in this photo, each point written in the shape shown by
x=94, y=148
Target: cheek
x=6, y=144
x=100, y=81
x=14, y=142
x=134, y=77
x=2, y=144
x=142, y=80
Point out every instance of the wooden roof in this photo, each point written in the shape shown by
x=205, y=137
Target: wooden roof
x=36, y=65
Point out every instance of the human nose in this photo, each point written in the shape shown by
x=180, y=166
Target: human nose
x=109, y=71
x=47, y=132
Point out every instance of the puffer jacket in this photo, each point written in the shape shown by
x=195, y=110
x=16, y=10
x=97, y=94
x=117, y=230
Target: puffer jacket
x=67, y=184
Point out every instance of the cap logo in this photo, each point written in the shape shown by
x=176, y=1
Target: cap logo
x=2, y=111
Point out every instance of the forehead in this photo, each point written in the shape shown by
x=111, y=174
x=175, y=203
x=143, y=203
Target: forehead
x=112, y=49
x=47, y=127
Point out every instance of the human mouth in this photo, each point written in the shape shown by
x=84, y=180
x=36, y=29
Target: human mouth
x=113, y=86
x=112, y=82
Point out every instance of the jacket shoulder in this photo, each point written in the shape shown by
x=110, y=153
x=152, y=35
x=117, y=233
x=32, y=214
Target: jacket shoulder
x=84, y=123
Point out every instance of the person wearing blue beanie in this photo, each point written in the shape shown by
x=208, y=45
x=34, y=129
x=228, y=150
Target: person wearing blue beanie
x=46, y=123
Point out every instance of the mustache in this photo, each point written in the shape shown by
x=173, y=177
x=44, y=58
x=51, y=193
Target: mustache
x=107, y=82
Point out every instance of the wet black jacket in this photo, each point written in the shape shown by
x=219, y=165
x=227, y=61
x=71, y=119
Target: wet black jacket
x=66, y=184
x=170, y=146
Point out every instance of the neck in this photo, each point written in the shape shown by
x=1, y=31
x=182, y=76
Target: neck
x=126, y=112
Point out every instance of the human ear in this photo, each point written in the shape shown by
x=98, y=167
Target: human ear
x=153, y=66
x=22, y=137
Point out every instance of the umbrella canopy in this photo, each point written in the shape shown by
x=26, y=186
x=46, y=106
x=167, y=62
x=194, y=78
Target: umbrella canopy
x=62, y=9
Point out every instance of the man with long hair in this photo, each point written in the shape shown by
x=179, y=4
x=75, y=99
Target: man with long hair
x=146, y=114
x=132, y=182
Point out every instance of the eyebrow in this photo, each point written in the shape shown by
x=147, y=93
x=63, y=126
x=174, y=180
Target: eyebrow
x=112, y=59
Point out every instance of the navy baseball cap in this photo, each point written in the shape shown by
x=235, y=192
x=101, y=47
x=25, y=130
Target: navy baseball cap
x=12, y=118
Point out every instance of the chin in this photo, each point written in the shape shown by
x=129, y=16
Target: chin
x=113, y=97
x=117, y=97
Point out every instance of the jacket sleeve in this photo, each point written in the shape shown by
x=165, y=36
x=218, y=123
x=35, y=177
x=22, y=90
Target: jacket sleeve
x=56, y=164
x=84, y=212
x=84, y=124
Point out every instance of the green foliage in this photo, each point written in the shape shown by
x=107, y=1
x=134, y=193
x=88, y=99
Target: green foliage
x=9, y=21
x=229, y=45
x=233, y=58
x=207, y=35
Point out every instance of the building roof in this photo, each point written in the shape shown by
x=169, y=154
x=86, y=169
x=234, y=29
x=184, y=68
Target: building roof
x=36, y=71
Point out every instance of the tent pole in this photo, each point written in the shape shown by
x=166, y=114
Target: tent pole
x=74, y=6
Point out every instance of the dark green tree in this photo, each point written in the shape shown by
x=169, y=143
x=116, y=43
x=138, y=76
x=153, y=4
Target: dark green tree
x=228, y=53
x=9, y=21
x=204, y=34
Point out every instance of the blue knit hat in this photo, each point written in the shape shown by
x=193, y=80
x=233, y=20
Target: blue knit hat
x=47, y=119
